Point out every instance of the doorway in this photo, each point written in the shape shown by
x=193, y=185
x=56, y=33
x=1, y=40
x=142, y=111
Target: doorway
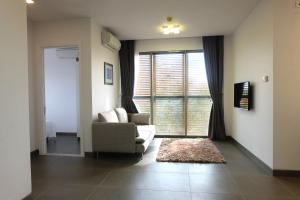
x=61, y=106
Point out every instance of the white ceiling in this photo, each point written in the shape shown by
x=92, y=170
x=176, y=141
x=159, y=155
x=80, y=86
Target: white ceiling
x=140, y=19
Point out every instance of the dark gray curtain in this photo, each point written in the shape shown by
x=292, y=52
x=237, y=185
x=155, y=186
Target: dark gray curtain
x=127, y=75
x=214, y=60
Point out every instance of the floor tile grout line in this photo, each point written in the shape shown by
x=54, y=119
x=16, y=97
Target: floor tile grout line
x=211, y=193
x=218, y=193
x=231, y=171
x=240, y=193
x=106, y=176
x=232, y=179
x=138, y=188
x=95, y=188
x=188, y=169
x=190, y=193
x=91, y=193
x=287, y=188
x=153, y=171
x=244, y=195
x=141, y=188
x=42, y=193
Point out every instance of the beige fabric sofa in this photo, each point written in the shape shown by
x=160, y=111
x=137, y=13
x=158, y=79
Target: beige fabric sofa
x=119, y=132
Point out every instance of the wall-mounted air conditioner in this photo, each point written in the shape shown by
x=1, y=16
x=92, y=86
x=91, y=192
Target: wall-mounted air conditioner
x=110, y=41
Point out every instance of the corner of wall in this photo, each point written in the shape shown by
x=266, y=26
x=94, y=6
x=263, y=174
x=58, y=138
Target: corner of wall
x=228, y=83
x=31, y=85
x=104, y=97
x=249, y=56
x=286, y=79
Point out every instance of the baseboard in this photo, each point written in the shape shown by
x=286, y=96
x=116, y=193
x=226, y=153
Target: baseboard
x=34, y=153
x=66, y=134
x=260, y=163
x=110, y=154
x=250, y=155
x=28, y=197
x=291, y=173
x=90, y=154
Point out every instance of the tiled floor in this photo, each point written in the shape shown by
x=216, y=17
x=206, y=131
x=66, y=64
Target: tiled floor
x=64, y=144
x=127, y=178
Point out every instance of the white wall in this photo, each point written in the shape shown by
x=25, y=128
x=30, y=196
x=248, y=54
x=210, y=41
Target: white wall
x=57, y=34
x=228, y=83
x=286, y=83
x=266, y=44
x=105, y=97
x=251, y=58
x=61, y=89
x=169, y=44
x=31, y=84
x=94, y=95
x=15, y=171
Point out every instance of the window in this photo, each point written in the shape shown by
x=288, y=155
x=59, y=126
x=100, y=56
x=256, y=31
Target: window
x=173, y=88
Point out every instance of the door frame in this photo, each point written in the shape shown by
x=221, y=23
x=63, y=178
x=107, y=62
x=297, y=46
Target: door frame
x=43, y=149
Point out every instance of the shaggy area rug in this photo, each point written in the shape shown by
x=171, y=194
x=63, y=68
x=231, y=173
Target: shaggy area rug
x=189, y=151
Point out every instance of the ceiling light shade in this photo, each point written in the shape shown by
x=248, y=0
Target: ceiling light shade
x=29, y=1
x=170, y=27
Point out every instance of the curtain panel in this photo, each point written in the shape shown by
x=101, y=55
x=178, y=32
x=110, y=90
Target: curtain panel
x=213, y=47
x=126, y=55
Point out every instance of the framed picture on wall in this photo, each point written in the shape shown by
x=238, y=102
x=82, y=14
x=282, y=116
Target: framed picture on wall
x=108, y=74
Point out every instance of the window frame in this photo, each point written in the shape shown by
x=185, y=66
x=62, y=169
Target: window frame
x=185, y=97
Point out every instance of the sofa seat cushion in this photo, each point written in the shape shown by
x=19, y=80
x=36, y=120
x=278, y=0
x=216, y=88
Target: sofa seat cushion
x=145, y=133
x=109, y=116
x=122, y=115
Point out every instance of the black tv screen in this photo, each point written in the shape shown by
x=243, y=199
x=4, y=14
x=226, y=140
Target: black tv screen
x=242, y=95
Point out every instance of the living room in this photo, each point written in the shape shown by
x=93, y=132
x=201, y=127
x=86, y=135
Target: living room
x=163, y=69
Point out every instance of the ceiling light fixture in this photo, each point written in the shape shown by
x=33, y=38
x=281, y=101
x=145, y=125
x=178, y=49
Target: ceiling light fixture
x=29, y=1
x=170, y=27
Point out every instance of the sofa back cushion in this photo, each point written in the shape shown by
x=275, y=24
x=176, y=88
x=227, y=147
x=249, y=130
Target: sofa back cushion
x=122, y=115
x=109, y=116
x=140, y=118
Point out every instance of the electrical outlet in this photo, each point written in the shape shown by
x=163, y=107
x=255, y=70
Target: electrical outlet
x=297, y=3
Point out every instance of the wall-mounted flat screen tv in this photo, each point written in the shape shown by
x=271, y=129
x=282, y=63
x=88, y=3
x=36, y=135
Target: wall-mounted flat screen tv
x=243, y=95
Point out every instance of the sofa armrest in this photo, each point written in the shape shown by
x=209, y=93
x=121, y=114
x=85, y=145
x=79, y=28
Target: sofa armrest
x=139, y=118
x=114, y=137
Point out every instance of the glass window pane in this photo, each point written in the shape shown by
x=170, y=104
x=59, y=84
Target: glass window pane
x=197, y=80
x=143, y=105
x=143, y=76
x=198, y=111
x=168, y=116
x=168, y=80
x=169, y=74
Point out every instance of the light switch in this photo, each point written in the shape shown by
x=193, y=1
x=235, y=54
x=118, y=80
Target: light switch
x=265, y=78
